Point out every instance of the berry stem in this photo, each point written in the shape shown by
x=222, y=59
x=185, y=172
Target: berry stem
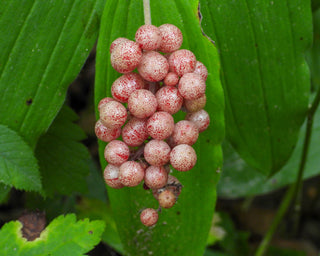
x=147, y=12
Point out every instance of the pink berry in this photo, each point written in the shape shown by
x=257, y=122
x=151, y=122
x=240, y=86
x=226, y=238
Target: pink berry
x=117, y=42
x=155, y=177
x=171, y=79
x=169, y=99
x=111, y=176
x=200, y=118
x=126, y=56
x=142, y=103
x=125, y=85
x=157, y=152
x=196, y=104
x=116, y=152
x=149, y=217
x=201, y=70
x=153, y=66
x=113, y=114
x=183, y=157
x=182, y=62
x=171, y=38
x=134, y=133
x=131, y=173
x=167, y=199
x=106, y=134
x=185, y=132
x=148, y=37
x=160, y=125
x=104, y=101
x=191, y=86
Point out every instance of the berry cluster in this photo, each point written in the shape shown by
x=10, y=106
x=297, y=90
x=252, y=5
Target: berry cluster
x=141, y=110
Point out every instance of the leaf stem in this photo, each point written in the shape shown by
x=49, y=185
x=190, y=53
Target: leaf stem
x=295, y=188
x=147, y=12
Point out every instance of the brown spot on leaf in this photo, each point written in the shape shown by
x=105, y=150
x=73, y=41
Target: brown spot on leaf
x=32, y=224
x=29, y=102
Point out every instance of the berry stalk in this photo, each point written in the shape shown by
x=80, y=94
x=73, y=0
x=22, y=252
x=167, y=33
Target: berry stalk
x=147, y=12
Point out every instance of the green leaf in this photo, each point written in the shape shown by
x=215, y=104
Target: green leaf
x=264, y=74
x=4, y=192
x=238, y=179
x=183, y=229
x=43, y=47
x=63, y=160
x=18, y=166
x=63, y=236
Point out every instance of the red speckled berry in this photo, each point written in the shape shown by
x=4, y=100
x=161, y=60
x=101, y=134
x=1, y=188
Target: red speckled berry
x=160, y=125
x=200, y=118
x=131, y=173
x=126, y=56
x=157, y=152
x=111, y=176
x=153, y=66
x=142, y=103
x=196, y=104
x=125, y=85
x=167, y=199
x=149, y=217
x=148, y=37
x=183, y=157
x=171, y=79
x=182, y=62
x=201, y=70
x=104, y=101
x=106, y=134
x=171, y=38
x=191, y=86
x=169, y=99
x=113, y=114
x=117, y=42
x=134, y=133
x=116, y=152
x=155, y=177
x=185, y=132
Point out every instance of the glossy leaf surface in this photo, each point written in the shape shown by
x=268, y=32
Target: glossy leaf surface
x=183, y=229
x=264, y=74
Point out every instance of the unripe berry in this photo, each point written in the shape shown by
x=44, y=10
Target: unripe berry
x=169, y=99
x=200, y=118
x=201, y=70
x=131, y=173
x=191, y=86
x=116, y=42
x=148, y=37
x=134, y=133
x=142, y=103
x=125, y=85
x=155, y=177
x=196, y=104
x=183, y=157
x=111, y=176
x=182, y=62
x=149, y=217
x=113, y=114
x=116, y=152
x=106, y=134
x=104, y=101
x=157, y=152
x=126, y=56
x=167, y=199
x=153, y=66
x=160, y=125
x=171, y=79
x=185, y=132
x=171, y=38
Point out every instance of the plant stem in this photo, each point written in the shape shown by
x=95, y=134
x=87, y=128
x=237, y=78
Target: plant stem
x=147, y=12
x=295, y=188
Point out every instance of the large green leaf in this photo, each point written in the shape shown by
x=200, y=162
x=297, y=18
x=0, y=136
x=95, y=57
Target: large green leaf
x=264, y=74
x=43, y=47
x=63, y=236
x=238, y=179
x=18, y=166
x=183, y=229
